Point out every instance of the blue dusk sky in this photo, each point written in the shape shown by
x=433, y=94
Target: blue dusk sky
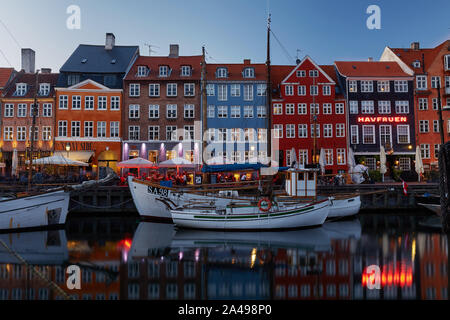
x=231, y=30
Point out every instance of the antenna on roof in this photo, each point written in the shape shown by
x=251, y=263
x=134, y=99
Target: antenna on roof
x=150, y=48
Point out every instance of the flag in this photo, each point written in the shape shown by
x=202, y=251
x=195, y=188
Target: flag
x=405, y=188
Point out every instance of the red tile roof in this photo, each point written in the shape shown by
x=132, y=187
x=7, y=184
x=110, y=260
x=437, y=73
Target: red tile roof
x=370, y=69
x=30, y=80
x=5, y=75
x=153, y=62
x=235, y=71
x=277, y=75
x=330, y=71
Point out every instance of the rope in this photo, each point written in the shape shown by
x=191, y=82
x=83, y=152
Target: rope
x=50, y=283
x=98, y=207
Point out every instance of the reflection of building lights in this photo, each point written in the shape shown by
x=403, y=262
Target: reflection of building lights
x=413, y=250
x=388, y=277
x=197, y=254
x=253, y=258
x=180, y=255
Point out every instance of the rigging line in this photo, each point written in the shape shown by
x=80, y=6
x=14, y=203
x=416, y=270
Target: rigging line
x=12, y=36
x=4, y=56
x=282, y=47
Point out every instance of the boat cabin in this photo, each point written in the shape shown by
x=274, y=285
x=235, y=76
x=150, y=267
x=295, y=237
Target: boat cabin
x=301, y=183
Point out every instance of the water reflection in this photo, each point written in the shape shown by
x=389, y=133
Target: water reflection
x=371, y=257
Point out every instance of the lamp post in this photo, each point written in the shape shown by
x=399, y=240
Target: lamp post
x=67, y=149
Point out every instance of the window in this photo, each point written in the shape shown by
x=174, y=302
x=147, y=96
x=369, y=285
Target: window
x=289, y=90
x=278, y=130
x=171, y=111
x=278, y=108
x=424, y=126
x=222, y=134
x=447, y=62
x=403, y=134
x=248, y=92
x=261, y=110
x=384, y=107
x=102, y=103
x=76, y=102
x=354, y=135
x=236, y=134
x=189, y=89
x=303, y=130
x=317, y=131
x=300, y=73
x=314, y=108
x=302, y=157
x=340, y=130
x=21, y=133
x=425, y=150
x=135, y=90
x=134, y=111
x=46, y=133
x=210, y=90
x=153, y=133
x=416, y=64
x=222, y=92
x=171, y=133
x=435, y=81
x=73, y=79
x=36, y=133
x=188, y=133
x=153, y=90
x=89, y=129
x=9, y=110
x=163, y=71
x=101, y=129
x=368, y=134
x=401, y=86
x=249, y=134
x=421, y=82
x=75, y=127
x=248, y=111
x=371, y=163
x=290, y=108
x=222, y=112
x=153, y=111
x=385, y=136
x=339, y=108
x=211, y=111
x=402, y=106
x=221, y=73
x=235, y=90
x=302, y=108
x=423, y=104
x=8, y=133
x=21, y=89
x=329, y=157
x=63, y=102
x=383, y=86
x=114, y=129
x=327, y=130
x=436, y=150
x=435, y=125
x=171, y=90
x=326, y=90
x=22, y=110
x=340, y=156
x=34, y=110
x=235, y=112
x=290, y=131
x=353, y=107
x=62, y=128
x=142, y=71
x=261, y=90
x=89, y=103
x=367, y=107
x=189, y=111
x=313, y=73
x=352, y=86
x=327, y=108
x=435, y=103
x=301, y=90
x=313, y=90
x=404, y=164
x=185, y=71
x=249, y=73
x=366, y=86
x=134, y=132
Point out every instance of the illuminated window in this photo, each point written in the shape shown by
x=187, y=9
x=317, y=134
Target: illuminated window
x=403, y=134
x=340, y=130
x=352, y=86
x=404, y=164
x=368, y=134
x=277, y=108
x=340, y=156
x=329, y=157
x=354, y=135
x=383, y=86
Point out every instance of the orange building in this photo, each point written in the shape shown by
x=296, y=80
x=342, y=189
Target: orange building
x=88, y=124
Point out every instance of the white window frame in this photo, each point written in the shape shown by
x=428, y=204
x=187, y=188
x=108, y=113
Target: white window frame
x=153, y=111
x=171, y=90
x=134, y=90
x=399, y=127
x=154, y=90
x=171, y=111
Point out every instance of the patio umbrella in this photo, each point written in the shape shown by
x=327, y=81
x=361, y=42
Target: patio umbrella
x=322, y=160
x=176, y=163
x=419, y=163
x=382, y=162
x=15, y=162
x=138, y=163
x=58, y=160
x=351, y=162
x=293, y=156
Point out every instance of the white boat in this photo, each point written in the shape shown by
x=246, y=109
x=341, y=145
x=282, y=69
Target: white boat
x=250, y=217
x=42, y=210
x=436, y=208
x=344, y=206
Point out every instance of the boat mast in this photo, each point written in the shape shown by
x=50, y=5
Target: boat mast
x=33, y=125
x=269, y=94
x=204, y=104
x=314, y=115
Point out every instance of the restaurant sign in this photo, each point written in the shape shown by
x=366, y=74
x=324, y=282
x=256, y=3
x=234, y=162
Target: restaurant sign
x=382, y=119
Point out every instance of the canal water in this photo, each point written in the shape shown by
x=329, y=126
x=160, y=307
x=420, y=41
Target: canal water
x=111, y=258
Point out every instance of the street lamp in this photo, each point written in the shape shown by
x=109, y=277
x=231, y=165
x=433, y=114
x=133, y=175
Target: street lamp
x=67, y=149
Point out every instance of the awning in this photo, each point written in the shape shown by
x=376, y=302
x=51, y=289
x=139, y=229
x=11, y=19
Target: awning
x=82, y=156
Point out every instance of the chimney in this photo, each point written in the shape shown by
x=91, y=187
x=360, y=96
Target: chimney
x=298, y=61
x=46, y=70
x=247, y=61
x=174, y=50
x=110, y=41
x=370, y=59
x=415, y=45
x=28, y=60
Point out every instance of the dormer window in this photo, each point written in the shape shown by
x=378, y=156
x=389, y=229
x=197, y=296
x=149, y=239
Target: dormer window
x=44, y=89
x=163, y=71
x=221, y=73
x=249, y=73
x=143, y=71
x=416, y=64
x=21, y=89
x=186, y=71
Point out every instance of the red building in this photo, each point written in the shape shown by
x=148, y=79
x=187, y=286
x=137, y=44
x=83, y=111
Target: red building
x=308, y=114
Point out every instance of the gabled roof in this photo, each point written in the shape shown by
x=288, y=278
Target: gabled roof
x=88, y=85
x=370, y=69
x=235, y=71
x=95, y=59
x=307, y=58
x=30, y=80
x=5, y=76
x=174, y=63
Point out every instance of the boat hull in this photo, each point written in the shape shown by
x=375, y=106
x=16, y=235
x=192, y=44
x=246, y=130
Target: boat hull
x=34, y=212
x=293, y=217
x=345, y=207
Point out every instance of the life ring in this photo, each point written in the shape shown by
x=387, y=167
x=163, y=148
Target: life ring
x=266, y=200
